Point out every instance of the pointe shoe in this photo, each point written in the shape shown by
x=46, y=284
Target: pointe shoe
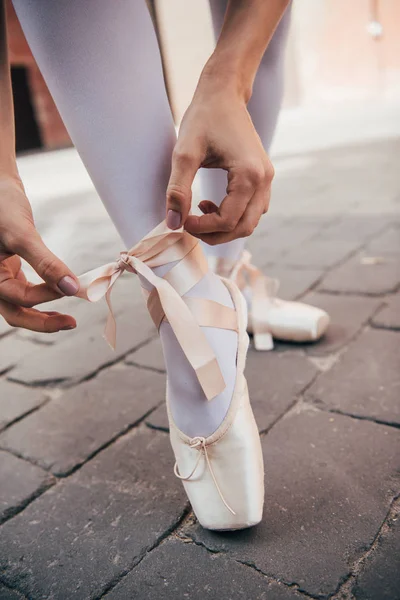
x=269, y=316
x=222, y=474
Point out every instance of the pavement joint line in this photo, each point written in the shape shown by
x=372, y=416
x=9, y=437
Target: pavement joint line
x=146, y=367
x=16, y=590
x=296, y=400
x=270, y=579
x=161, y=538
x=15, y=510
x=25, y=414
x=157, y=428
x=67, y=383
x=358, y=417
x=344, y=589
x=135, y=425
x=341, y=262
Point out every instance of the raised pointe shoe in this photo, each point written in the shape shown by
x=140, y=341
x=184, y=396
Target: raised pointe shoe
x=223, y=474
x=269, y=316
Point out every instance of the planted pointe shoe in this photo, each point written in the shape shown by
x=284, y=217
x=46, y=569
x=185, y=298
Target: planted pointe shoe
x=269, y=316
x=223, y=473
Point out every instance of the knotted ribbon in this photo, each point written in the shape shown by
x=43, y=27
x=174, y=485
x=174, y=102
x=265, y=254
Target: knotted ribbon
x=160, y=246
x=264, y=291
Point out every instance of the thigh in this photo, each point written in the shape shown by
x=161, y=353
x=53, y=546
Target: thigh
x=102, y=65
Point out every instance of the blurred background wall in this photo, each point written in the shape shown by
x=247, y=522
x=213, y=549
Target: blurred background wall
x=339, y=53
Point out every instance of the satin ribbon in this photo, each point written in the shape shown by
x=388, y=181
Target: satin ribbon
x=264, y=291
x=200, y=444
x=160, y=246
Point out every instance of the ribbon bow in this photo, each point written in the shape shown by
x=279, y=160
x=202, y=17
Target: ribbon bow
x=160, y=246
x=264, y=290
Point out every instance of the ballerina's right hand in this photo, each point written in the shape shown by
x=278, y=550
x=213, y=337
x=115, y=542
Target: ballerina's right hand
x=19, y=239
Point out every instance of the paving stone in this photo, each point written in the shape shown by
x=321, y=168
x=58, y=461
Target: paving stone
x=329, y=483
x=366, y=380
x=319, y=253
x=17, y=400
x=12, y=350
x=269, y=248
x=389, y=316
x=68, y=430
x=275, y=380
x=359, y=277
x=176, y=570
x=388, y=243
x=84, y=352
x=380, y=577
x=19, y=482
x=158, y=419
x=93, y=526
x=7, y=594
x=293, y=282
x=150, y=355
x=347, y=315
x=354, y=227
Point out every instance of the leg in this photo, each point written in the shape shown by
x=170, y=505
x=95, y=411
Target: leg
x=264, y=108
x=101, y=62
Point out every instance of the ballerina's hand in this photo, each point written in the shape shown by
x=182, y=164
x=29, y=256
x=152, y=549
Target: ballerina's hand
x=217, y=132
x=19, y=238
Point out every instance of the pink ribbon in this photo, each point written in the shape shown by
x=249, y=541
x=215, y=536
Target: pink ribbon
x=160, y=246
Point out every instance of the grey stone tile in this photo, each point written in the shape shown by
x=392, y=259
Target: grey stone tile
x=359, y=276
x=150, y=355
x=329, y=482
x=389, y=316
x=68, y=430
x=388, y=243
x=366, y=379
x=13, y=350
x=84, y=351
x=354, y=227
x=293, y=282
x=93, y=526
x=8, y=594
x=348, y=315
x=17, y=400
x=176, y=570
x=380, y=577
x=319, y=253
x=19, y=482
x=159, y=418
x=269, y=248
x=275, y=380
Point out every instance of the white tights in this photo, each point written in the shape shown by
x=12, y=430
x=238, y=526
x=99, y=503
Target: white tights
x=264, y=107
x=101, y=62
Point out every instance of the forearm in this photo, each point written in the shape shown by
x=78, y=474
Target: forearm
x=248, y=27
x=7, y=133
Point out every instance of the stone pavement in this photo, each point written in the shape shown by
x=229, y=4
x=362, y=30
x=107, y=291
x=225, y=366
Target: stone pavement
x=89, y=504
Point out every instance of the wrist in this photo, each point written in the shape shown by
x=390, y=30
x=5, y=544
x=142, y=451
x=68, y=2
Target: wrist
x=225, y=76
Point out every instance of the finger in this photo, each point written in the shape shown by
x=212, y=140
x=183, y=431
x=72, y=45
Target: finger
x=242, y=184
x=46, y=264
x=26, y=294
x=207, y=207
x=246, y=225
x=179, y=191
x=35, y=320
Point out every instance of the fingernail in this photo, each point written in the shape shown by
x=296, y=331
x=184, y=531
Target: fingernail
x=174, y=219
x=67, y=327
x=68, y=286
